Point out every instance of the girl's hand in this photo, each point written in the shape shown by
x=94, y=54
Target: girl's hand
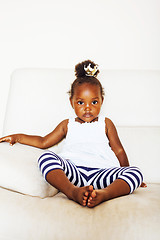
x=144, y=185
x=12, y=139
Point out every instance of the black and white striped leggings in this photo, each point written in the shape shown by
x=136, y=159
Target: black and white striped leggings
x=83, y=176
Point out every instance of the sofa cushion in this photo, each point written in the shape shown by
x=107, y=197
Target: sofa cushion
x=19, y=171
x=42, y=94
x=132, y=217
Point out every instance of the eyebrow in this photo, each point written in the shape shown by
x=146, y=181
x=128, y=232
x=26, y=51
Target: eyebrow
x=83, y=98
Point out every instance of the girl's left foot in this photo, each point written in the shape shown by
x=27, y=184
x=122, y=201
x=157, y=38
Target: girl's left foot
x=97, y=197
x=116, y=189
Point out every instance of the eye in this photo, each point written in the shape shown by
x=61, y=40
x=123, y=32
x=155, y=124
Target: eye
x=94, y=102
x=80, y=103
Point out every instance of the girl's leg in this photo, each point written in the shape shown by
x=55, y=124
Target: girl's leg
x=127, y=179
x=116, y=189
x=58, y=179
x=53, y=169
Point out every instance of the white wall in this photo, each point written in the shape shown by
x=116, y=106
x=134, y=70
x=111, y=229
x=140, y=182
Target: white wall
x=116, y=34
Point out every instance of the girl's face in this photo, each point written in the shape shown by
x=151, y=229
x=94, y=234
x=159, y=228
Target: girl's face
x=87, y=102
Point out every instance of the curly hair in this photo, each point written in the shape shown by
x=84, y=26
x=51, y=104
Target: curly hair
x=83, y=77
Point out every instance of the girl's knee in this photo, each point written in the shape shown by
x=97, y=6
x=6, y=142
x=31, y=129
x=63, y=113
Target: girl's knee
x=137, y=173
x=49, y=161
x=133, y=176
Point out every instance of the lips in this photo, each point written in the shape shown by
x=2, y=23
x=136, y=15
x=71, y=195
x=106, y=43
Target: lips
x=87, y=115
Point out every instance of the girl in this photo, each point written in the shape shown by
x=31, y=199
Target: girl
x=92, y=166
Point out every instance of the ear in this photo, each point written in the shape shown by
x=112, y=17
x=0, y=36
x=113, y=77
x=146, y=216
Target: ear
x=71, y=102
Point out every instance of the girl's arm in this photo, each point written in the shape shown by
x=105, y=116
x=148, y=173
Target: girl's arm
x=115, y=143
x=49, y=140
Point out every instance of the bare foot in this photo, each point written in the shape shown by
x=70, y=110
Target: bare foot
x=97, y=197
x=143, y=185
x=81, y=194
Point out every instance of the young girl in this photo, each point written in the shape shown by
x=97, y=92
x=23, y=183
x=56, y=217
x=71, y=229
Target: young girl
x=92, y=166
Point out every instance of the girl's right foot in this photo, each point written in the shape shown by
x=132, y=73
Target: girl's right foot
x=97, y=197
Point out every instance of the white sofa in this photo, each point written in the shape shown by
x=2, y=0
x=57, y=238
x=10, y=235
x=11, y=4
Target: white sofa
x=30, y=208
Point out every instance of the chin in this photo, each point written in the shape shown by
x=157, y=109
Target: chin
x=89, y=119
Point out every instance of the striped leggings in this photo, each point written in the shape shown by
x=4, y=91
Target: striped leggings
x=83, y=176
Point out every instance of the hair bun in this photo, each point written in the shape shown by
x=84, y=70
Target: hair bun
x=86, y=68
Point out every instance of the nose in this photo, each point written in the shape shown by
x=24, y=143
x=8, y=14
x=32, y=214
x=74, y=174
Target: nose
x=87, y=107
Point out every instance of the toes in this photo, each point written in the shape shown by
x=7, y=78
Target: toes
x=93, y=194
x=91, y=204
x=90, y=188
x=86, y=194
x=85, y=198
x=84, y=202
x=92, y=199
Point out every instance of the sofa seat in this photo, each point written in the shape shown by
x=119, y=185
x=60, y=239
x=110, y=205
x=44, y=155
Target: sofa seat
x=134, y=217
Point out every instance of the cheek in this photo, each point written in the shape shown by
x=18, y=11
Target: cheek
x=97, y=109
x=78, y=109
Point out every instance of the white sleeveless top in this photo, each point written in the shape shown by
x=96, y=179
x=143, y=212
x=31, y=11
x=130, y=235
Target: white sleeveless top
x=86, y=144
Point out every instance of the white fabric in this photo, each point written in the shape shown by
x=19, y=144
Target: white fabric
x=133, y=217
x=20, y=173
x=42, y=94
x=87, y=145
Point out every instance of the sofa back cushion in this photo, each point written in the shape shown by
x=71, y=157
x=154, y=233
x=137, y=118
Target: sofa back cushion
x=38, y=99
